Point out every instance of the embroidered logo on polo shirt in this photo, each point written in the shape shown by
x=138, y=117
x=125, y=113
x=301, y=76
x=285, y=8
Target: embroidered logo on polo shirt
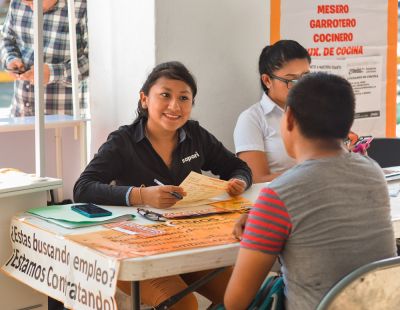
x=189, y=158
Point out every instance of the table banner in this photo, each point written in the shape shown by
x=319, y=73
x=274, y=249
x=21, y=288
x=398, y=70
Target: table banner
x=178, y=235
x=77, y=276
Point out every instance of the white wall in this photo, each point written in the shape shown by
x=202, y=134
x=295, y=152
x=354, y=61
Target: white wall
x=121, y=52
x=220, y=42
x=101, y=82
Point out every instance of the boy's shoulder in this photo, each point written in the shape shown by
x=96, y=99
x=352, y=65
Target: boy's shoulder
x=319, y=173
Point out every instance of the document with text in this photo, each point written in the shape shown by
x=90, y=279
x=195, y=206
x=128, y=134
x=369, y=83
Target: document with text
x=201, y=190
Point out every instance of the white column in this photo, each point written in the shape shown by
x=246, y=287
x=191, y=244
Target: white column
x=39, y=88
x=74, y=58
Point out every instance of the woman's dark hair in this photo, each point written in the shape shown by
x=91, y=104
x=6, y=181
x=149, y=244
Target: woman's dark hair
x=323, y=105
x=273, y=57
x=173, y=70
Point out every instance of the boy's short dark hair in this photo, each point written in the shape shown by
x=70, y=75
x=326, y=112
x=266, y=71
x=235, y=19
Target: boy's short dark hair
x=323, y=105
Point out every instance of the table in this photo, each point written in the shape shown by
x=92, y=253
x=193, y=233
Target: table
x=395, y=209
x=141, y=268
x=17, y=196
x=56, y=122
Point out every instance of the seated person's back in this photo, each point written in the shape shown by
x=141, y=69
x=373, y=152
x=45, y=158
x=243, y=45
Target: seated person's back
x=326, y=216
x=339, y=213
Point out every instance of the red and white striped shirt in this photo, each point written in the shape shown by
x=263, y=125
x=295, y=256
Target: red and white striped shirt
x=268, y=225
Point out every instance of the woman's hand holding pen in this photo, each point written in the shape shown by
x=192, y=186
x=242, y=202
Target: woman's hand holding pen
x=235, y=187
x=160, y=196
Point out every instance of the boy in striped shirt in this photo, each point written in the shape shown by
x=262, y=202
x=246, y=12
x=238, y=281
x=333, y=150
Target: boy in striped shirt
x=325, y=217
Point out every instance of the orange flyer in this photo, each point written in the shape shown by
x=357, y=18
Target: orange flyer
x=179, y=235
x=238, y=203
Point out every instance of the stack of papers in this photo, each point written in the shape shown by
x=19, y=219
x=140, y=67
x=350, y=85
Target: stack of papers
x=203, y=195
x=200, y=189
x=13, y=177
x=64, y=216
x=187, y=212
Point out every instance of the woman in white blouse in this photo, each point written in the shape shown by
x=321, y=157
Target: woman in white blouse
x=257, y=133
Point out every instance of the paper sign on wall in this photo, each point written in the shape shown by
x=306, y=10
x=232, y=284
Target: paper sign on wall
x=358, y=36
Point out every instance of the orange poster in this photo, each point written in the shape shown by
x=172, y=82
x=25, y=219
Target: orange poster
x=178, y=235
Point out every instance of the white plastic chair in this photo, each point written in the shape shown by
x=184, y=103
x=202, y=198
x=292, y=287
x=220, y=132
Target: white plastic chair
x=372, y=286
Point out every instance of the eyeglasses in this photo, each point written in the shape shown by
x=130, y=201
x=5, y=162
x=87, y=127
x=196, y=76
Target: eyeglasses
x=150, y=215
x=289, y=83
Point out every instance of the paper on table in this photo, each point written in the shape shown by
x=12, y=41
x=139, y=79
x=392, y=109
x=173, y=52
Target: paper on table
x=14, y=177
x=182, y=235
x=187, y=212
x=218, y=205
x=201, y=191
x=237, y=203
x=200, y=187
x=131, y=228
x=64, y=216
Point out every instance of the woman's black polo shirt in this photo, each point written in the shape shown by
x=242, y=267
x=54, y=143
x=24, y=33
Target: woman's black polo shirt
x=128, y=158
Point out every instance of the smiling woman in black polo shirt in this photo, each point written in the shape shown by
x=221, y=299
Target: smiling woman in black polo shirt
x=163, y=144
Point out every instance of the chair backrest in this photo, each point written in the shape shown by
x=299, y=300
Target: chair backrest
x=373, y=286
x=385, y=151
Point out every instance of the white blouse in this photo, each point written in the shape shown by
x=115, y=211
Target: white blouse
x=258, y=129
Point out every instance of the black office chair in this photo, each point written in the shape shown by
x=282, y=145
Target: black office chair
x=373, y=286
x=385, y=151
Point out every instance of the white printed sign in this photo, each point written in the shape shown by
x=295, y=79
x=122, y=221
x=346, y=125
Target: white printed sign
x=346, y=38
x=75, y=275
x=365, y=76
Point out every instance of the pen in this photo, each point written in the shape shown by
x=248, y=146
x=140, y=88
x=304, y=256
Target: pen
x=175, y=194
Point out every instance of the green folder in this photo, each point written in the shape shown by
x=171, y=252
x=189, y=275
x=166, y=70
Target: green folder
x=63, y=215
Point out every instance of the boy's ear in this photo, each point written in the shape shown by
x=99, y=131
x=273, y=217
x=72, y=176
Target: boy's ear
x=290, y=121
